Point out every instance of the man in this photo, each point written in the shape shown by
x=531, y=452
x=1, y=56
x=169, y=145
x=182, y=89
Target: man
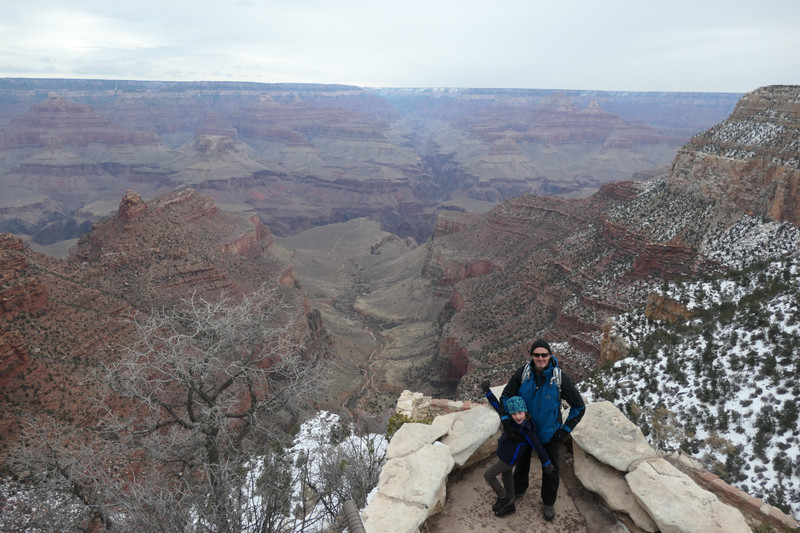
x=538, y=384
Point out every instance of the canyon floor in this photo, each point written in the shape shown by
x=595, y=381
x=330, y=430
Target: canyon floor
x=380, y=312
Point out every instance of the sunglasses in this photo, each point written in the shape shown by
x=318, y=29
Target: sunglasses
x=540, y=355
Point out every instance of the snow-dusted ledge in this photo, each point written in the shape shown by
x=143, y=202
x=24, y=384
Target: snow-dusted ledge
x=612, y=458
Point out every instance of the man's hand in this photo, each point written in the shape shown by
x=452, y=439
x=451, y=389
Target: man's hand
x=561, y=435
x=485, y=388
x=548, y=467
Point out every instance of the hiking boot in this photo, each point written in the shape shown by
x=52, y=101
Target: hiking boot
x=507, y=509
x=518, y=495
x=549, y=512
x=501, y=502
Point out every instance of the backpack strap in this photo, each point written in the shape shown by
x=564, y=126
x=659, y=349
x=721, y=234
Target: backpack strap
x=526, y=373
x=556, y=379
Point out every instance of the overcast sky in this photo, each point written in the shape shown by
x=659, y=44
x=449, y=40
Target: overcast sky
x=635, y=45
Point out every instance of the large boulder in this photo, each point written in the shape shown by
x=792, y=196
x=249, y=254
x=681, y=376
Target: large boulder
x=610, y=484
x=613, y=459
x=606, y=434
x=688, y=509
x=411, y=437
x=412, y=484
x=410, y=489
x=467, y=431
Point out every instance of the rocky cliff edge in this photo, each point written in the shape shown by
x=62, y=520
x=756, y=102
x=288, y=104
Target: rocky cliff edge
x=632, y=487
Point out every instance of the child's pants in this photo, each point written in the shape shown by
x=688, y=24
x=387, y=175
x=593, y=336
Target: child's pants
x=500, y=468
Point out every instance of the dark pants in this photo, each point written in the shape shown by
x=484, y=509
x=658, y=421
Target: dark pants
x=549, y=481
x=504, y=471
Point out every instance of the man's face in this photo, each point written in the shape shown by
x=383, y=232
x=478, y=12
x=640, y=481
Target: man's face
x=540, y=359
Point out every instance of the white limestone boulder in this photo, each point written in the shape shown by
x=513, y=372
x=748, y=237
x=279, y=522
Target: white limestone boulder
x=385, y=515
x=414, y=405
x=610, y=484
x=411, y=437
x=410, y=489
x=467, y=430
x=678, y=505
x=606, y=434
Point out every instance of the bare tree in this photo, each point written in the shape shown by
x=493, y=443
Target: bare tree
x=344, y=464
x=207, y=387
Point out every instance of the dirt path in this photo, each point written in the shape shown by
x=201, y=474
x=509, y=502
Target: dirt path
x=468, y=508
x=368, y=370
x=342, y=236
x=346, y=302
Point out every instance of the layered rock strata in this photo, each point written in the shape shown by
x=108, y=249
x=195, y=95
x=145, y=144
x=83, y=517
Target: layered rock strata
x=59, y=318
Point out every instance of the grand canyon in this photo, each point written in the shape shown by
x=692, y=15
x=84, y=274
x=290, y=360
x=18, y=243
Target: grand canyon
x=425, y=236
x=386, y=174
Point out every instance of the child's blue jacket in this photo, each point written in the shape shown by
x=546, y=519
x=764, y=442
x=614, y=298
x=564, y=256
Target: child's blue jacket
x=517, y=437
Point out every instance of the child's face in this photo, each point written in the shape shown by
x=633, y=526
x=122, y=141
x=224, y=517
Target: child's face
x=519, y=417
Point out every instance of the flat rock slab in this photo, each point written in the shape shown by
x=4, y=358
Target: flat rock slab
x=688, y=509
x=628, y=445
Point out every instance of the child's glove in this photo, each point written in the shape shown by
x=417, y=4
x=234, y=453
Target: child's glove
x=485, y=388
x=548, y=467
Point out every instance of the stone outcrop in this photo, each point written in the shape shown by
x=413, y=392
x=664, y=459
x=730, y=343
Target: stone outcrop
x=254, y=244
x=412, y=484
x=664, y=260
x=613, y=347
x=611, y=459
x=131, y=206
x=453, y=270
x=760, y=139
x=454, y=361
x=663, y=308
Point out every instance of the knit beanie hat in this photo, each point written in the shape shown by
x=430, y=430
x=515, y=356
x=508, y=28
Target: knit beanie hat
x=515, y=404
x=541, y=344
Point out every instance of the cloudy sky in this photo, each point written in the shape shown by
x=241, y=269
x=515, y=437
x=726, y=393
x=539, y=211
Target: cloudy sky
x=635, y=45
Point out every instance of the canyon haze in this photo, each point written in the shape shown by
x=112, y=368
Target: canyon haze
x=302, y=156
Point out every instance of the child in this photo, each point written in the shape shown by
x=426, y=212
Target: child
x=519, y=432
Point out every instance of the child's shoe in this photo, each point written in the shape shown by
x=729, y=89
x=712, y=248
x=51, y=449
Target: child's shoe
x=505, y=507
x=500, y=502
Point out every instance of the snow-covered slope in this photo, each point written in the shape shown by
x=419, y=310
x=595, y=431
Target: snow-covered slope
x=723, y=385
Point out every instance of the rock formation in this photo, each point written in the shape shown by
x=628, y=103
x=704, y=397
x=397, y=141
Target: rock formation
x=561, y=268
x=760, y=139
x=645, y=492
x=612, y=347
x=660, y=307
x=613, y=459
x=58, y=317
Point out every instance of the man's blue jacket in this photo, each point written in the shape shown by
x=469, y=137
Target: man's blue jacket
x=541, y=395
